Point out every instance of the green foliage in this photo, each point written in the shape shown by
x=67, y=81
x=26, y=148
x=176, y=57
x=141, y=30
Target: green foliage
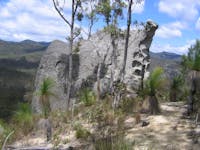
x=81, y=132
x=192, y=60
x=127, y=105
x=177, y=82
x=23, y=118
x=4, y=131
x=45, y=91
x=79, y=16
x=105, y=9
x=87, y=97
x=77, y=47
x=45, y=87
x=109, y=10
x=155, y=81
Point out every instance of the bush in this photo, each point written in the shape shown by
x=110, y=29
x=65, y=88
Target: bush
x=81, y=132
x=87, y=97
x=4, y=131
x=23, y=119
x=128, y=105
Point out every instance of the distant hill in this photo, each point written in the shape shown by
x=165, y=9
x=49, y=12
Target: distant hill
x=170, y=62
x=166, y=55
x=25, y=48
x=18, y=65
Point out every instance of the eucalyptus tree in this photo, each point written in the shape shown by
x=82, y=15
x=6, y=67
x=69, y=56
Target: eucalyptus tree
x=112, y=11
x=76, y=14
x=90, y=13
x=129, y=21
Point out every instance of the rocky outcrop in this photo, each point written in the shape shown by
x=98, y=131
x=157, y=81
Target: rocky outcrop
x=97, y=50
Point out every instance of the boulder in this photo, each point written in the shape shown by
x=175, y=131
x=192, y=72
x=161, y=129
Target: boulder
x=97, y=50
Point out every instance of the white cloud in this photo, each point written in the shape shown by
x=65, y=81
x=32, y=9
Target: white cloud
x=184, y=9
x=198, y=24
x=171, y=30
x=183, y=49
x=139, y=7
x=36, y=20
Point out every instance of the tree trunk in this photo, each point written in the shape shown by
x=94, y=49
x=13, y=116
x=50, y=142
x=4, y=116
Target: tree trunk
x=90, y=28
x=173, y=95
x=153, y=105
x=142, y=78
x=98, y=81
x=48, y=130
x=122, y=73
x=190, y=108
x=70, y=55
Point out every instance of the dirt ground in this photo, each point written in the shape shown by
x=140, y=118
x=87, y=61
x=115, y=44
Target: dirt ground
x=167, y=131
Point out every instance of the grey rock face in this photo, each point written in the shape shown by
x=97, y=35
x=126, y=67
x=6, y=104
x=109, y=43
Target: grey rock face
x=97, y=50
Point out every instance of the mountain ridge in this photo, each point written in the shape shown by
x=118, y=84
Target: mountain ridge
x=41, y=45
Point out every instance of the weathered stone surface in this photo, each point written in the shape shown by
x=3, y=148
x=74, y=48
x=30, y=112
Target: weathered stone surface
x=92, y=52
x=53, y=65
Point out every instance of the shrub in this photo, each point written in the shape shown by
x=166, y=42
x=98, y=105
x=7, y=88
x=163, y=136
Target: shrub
x=4, y=131
x=81, y=132
x=23, y=119
x=175, y=87
x=127, y=105
x=87, y=97
x=155, y=81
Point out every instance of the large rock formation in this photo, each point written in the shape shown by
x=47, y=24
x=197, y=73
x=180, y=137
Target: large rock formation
x=98, y=49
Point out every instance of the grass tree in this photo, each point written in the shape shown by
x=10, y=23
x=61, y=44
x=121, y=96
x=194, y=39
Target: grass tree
x=45, y=91
x=153, y=84
x=175, y=87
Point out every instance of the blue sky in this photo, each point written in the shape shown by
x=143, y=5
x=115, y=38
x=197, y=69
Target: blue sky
x=179, y=22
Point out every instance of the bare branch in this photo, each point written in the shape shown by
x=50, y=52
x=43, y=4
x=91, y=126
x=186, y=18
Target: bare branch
x=61, y=15
x=76, y=7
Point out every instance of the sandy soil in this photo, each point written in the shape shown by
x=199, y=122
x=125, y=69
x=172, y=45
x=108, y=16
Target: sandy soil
x=167, y=131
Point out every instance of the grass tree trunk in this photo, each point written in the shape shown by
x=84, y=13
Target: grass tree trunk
x=173, y=95
x=153, y=105
x=47, y=110
x=48, y=129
